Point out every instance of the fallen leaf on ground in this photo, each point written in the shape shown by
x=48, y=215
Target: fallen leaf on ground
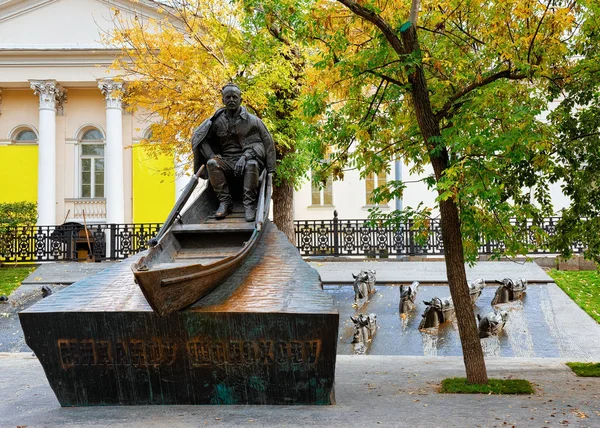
x=580, y=414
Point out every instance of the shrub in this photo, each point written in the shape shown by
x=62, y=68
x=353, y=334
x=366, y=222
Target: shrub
x=12, y=215
x=17, y=214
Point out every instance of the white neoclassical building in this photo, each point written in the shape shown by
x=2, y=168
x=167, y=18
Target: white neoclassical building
x=68, y=143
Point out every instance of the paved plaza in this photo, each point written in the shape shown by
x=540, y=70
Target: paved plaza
x=371, y=391
x=387, y=389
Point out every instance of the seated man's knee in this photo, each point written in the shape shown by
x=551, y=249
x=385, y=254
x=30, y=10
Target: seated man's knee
x=252, y=164
x=212, y=164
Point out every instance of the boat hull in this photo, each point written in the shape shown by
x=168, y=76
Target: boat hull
x=169, y=290
x=199, y=252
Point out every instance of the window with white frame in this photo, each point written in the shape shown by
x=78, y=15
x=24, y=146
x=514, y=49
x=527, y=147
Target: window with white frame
x=322, y=196
x=91, y=164
x=372, y=182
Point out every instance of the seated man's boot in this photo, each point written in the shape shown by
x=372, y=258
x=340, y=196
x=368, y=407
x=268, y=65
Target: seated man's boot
x=250, y=214
x=251, y=178
x=223, y=211
x=219, y=184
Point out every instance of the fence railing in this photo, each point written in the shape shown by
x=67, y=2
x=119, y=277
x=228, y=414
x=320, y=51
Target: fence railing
x=337, y=237
x=72, y=241
x=334, y=237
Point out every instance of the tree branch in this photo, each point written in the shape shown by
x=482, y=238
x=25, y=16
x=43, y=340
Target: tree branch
x=387, y=78
x=414, y=11
x=507, y=74
x=469, y=35
x=372, y=102
x=579, y=137
x=378, y=21
x=537, y=29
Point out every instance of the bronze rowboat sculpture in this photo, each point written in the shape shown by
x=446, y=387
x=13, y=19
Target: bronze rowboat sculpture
x=194, y=252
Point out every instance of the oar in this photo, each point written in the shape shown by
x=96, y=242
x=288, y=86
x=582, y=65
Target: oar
x=183, y=198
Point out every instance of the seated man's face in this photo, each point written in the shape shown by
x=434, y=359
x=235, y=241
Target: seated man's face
x=232, y=99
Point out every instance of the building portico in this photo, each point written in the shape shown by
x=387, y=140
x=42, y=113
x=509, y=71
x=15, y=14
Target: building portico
x=78, y=160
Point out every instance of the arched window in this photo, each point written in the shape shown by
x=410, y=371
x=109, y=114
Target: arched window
x=92, y=134
x=91, y=164
x=148, y=134
x=25, y=135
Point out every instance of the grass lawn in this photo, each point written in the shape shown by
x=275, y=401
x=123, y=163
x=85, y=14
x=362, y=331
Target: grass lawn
x=11, y=277
x=459, y=385
x=585, y=369
x=582, y=286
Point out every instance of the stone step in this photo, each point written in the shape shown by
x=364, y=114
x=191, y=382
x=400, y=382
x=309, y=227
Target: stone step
x=216, y=227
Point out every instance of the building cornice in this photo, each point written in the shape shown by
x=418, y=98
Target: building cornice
x=10, y=9
x=55, y=47
x=57, y=57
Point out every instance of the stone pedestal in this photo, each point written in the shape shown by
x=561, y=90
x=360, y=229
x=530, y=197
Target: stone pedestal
x=268, y=335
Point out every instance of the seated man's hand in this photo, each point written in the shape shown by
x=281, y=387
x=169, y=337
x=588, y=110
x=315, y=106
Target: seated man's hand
x=239, y=167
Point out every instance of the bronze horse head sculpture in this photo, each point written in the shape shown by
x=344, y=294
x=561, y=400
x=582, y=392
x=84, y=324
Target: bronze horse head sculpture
x=509, y=290
x=475, y=289
x=491, y=323
x=365, y=328
x=364, y=285
x=408, y=295
x=438, y=311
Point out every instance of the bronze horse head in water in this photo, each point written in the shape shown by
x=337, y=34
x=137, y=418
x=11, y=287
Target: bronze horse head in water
x=491, y=323
x=475, y=289
x=509, y=290
x=438, y=311
x=364, y=285
x=408, y=296
x=365, y=328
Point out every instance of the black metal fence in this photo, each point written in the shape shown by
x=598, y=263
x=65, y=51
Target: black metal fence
x=333, y=237
x=73, y=241
x=338, y=237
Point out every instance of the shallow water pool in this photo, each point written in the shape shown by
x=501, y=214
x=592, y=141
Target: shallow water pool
x=532, y=329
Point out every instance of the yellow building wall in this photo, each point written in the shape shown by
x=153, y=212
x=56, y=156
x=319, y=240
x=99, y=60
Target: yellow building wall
x=18, y=173
x=153, y=186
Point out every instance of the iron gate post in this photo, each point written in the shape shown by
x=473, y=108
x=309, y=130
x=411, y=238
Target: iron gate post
x=336, y=238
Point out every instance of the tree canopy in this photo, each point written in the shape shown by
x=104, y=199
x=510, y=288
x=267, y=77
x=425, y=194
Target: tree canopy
x=487, y=66
x=459, y=85
x=577, y=120
x=176, y=67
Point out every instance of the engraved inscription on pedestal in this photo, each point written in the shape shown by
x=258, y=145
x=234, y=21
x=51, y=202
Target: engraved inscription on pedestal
x=200, y=352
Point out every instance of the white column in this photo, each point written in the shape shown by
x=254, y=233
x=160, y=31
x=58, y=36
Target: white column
x=50, y=94
x=113, y=153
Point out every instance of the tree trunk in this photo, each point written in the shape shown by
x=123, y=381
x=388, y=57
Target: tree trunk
x=283, y=209
x=459, y=290
x=451, y=234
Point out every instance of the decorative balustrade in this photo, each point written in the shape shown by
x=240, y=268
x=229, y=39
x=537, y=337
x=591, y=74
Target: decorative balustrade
x=333, y=237
x=94, y=209
x=72, y=241
x=337, y=237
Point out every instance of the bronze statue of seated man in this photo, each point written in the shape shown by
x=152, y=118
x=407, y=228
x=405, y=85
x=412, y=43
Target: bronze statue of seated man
x=234, y=144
